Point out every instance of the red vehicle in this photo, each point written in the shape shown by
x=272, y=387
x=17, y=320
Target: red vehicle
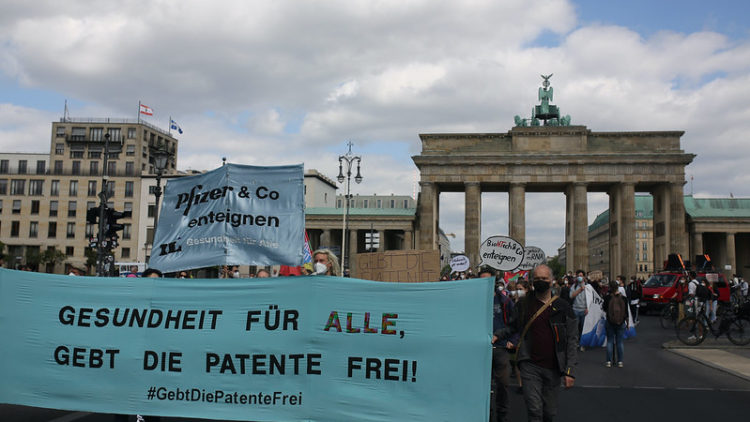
x=664, y=285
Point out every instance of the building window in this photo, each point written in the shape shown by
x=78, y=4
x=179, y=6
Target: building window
x=111, y=188
x=76, y=154
x=112, y=166
x=115, y=134
x=76, y=169
x=70, y=231
x=128, y=189
x=69, y=251
x=97, y=133
x=36, y=187
x=54, y=188
x=92, y=188
x=131, y=133
x=3, y=186
x=58, y=167
x=640, y=268
x=73, y=190
x=366, y=203
x=406, y=203
x=94, y=168
x=125, y=253
x=91, y=229
x=128, y=206
x=645, y=257
x=72, y=206
x=16, y=206
x=52, y=230
x=60, y=131
x=22, y=166
x=4, y=166
x=15, y=227
x=150, y=211
x=35, y=207
x=17, y=187
x=645, y=267
x=637, y=235
x=33, y=229
x=393, y=203
x=645, y=246
x=130, y=150
x=41, y=166
x=126, y=230
x=59, y=148
x=53, y=208
x=1, y=206
x=129, y=168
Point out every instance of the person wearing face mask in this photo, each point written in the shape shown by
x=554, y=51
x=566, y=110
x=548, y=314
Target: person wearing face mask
x=325, y=263
x=546, y=348
x=580, y=305
x=501, y=310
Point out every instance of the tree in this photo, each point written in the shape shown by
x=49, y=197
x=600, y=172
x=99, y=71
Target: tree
x=53, y=256
x=557, y=268
x=90, y=254
x=33, y=258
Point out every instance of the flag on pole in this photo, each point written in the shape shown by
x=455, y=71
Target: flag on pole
x=148, y=111
x=174, y=126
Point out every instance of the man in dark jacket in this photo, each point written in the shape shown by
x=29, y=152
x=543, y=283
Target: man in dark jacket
x=547, y=349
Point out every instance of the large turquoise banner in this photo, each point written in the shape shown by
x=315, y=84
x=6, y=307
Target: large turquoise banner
x=293, y=348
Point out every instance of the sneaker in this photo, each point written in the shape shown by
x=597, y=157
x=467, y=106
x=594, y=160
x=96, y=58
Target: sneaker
x=619, y=364
x=608, y=364
x=583, y=349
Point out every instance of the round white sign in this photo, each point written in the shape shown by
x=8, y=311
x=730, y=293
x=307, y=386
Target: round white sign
x=532, y=256
x=501, y=253
x=460, y=263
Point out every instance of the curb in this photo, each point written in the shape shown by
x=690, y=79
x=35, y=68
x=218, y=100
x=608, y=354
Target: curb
x=681, y=351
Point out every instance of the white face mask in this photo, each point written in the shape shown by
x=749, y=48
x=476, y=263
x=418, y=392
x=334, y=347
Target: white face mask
x=521, y=293
x=499, y=289
x=236, y=274
x=320, y=268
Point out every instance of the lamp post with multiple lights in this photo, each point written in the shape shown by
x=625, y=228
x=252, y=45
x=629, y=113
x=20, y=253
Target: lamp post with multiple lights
x=347, y=159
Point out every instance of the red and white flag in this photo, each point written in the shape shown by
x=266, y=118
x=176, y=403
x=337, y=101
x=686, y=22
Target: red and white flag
x=148, y=111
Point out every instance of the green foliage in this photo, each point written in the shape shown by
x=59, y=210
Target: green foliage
x=33, y=257
x=90, y=254
x=557, y=268
x=53, y=256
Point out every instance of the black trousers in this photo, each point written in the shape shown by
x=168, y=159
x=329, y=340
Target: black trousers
x=500, y=380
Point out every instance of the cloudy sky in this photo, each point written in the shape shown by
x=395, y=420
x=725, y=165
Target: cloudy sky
x=290, y=81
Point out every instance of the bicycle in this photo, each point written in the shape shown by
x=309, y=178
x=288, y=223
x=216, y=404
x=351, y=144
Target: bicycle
x=669, y=314
x=692, y=330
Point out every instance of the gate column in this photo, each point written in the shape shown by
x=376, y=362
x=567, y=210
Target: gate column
x=473, y=221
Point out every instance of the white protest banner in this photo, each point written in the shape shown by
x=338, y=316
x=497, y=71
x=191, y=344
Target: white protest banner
x=460, y=263
x=532, y=256
x=502, y=253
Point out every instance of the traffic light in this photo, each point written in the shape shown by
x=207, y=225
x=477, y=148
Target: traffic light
x=112, y=225
x=92, y=215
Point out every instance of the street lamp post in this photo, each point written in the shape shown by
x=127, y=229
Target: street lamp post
x=103, y=196
x=349, y=159
x=160, y=163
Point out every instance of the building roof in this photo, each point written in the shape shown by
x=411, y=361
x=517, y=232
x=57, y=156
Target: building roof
x=717, y=207
x=406, y=212
x=644, y=210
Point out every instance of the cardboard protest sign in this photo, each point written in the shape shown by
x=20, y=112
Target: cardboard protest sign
x=311, y=348
x=532, y=256
x=407, y=266
x=501, y=253
x=234, y=215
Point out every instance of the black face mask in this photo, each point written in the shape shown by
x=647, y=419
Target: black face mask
x=541, y=286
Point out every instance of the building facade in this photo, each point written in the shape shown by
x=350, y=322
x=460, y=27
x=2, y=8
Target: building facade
x=48, y=202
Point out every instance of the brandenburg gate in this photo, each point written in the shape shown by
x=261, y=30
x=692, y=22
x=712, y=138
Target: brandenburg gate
x=547, y=154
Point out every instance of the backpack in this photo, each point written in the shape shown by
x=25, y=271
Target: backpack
x=616, y=310
x=702, y=292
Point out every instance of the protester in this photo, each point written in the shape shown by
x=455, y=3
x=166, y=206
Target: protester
x=325, y=263
x=501, y=311
x=616, y=310
x=634, y=291
x=263, y=273
x=580, y=306
x=152, y=273
x=546, y=349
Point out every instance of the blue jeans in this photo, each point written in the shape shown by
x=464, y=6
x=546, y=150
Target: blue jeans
x=615, y=337
x=581, y=315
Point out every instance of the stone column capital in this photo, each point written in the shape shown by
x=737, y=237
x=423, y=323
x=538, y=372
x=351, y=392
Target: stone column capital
x=467, y=184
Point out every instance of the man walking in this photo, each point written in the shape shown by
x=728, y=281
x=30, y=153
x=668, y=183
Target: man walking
x=578, y=296
x=546, y=350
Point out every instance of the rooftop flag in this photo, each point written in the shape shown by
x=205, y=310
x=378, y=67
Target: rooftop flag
x=148, y=111
x=174, y=126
